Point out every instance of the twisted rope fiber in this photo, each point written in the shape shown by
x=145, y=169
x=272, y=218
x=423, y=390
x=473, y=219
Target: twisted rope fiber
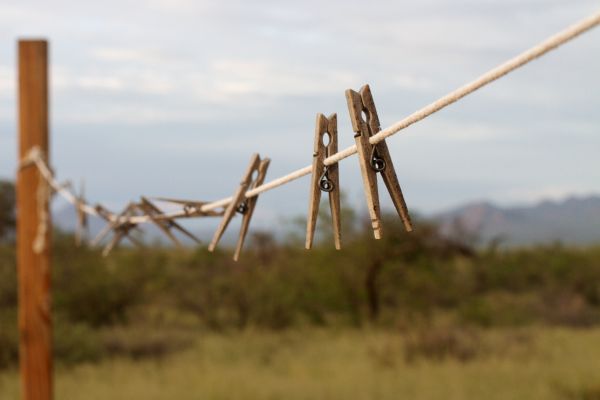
x=525, y=57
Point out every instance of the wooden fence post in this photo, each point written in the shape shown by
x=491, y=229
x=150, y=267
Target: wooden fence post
x=35, y=324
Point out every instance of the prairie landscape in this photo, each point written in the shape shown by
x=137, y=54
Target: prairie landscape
x=419, y=315
x=554, y=363
x=139, y=119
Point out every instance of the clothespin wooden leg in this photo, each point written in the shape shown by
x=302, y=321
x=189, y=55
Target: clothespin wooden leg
x=317, y=172
x=334, y=176
x=101, y=235
x=121, y=232
x=391, y=182
x=132, y=238
x=185, y=231
x=324, y=178
x=235, y=202
x=121, y=228
x=81, y=231
x=113, y=242
x=388, y=174
x=127, y=227
x=363, y=146
x=151, y=211
x=82, y=226
x=165, y=225
x=250, y=205
x=374, y=158
x=104, y=214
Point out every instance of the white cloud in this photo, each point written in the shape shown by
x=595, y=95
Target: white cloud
x=98, y=82
x=116, y=54
x=411, y=82
x=234, y=80
x=120, y=81
x=445, y=129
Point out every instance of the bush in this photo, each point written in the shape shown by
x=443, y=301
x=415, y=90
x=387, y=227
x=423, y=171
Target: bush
x=443, y=342
x=75, y=342
x=9, y=338
x=401, y=279
x=142, y=342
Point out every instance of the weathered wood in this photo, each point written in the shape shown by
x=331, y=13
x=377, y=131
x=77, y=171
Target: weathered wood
x=334, y=176
x=360, y=104
x=314, y=198
x=192, y=207
x=165, y=225
x=251, y=204
x=389, y=173
x=35, y=322
x=363, y=147
x=104, y=214
x=324, y=126
x=82, y=218
x=120, y=226
x=237, y=198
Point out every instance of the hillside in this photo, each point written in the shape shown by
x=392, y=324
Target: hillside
x=575, y=220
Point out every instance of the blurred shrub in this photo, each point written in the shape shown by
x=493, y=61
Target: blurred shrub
x=393, y=282
x=566, y=308
x=99, y=291
x=142, y=342
x=7, y=210
x=499, y=309
x=443, y=342
x=8, y=278
x=582, y=393
x=9, y=338
x=75, y=342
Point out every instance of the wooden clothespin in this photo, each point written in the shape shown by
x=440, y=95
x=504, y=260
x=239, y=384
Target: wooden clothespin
x=241, y=204
x=192, y=208
x=120, y=225
x=324, y=179
x=374, y=158
x=164, y=224
x=81, y=231
x=106, y=216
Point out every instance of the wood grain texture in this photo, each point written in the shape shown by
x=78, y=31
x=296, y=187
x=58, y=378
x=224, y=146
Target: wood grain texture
x=165, y=225
x=362, y=134
x=389, y=173
x=190, y=207
x=104, y=214
x=321, y=151
x=314, y=197
x=362, y=104
x=122, y=228
x=81, y=231
x=334, y=176
x=238, y=197
x=251, y=204
x=35, y=322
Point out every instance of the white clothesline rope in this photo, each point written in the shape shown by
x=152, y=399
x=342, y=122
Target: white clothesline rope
x=527, y=56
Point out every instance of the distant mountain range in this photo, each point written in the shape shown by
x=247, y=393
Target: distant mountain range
x=574, y=220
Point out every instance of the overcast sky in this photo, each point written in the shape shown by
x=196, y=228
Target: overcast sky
x=171, y=97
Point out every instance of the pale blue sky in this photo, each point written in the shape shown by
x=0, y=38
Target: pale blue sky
x=171, y=97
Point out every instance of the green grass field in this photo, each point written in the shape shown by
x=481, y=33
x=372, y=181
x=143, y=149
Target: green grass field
x=533, y=363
